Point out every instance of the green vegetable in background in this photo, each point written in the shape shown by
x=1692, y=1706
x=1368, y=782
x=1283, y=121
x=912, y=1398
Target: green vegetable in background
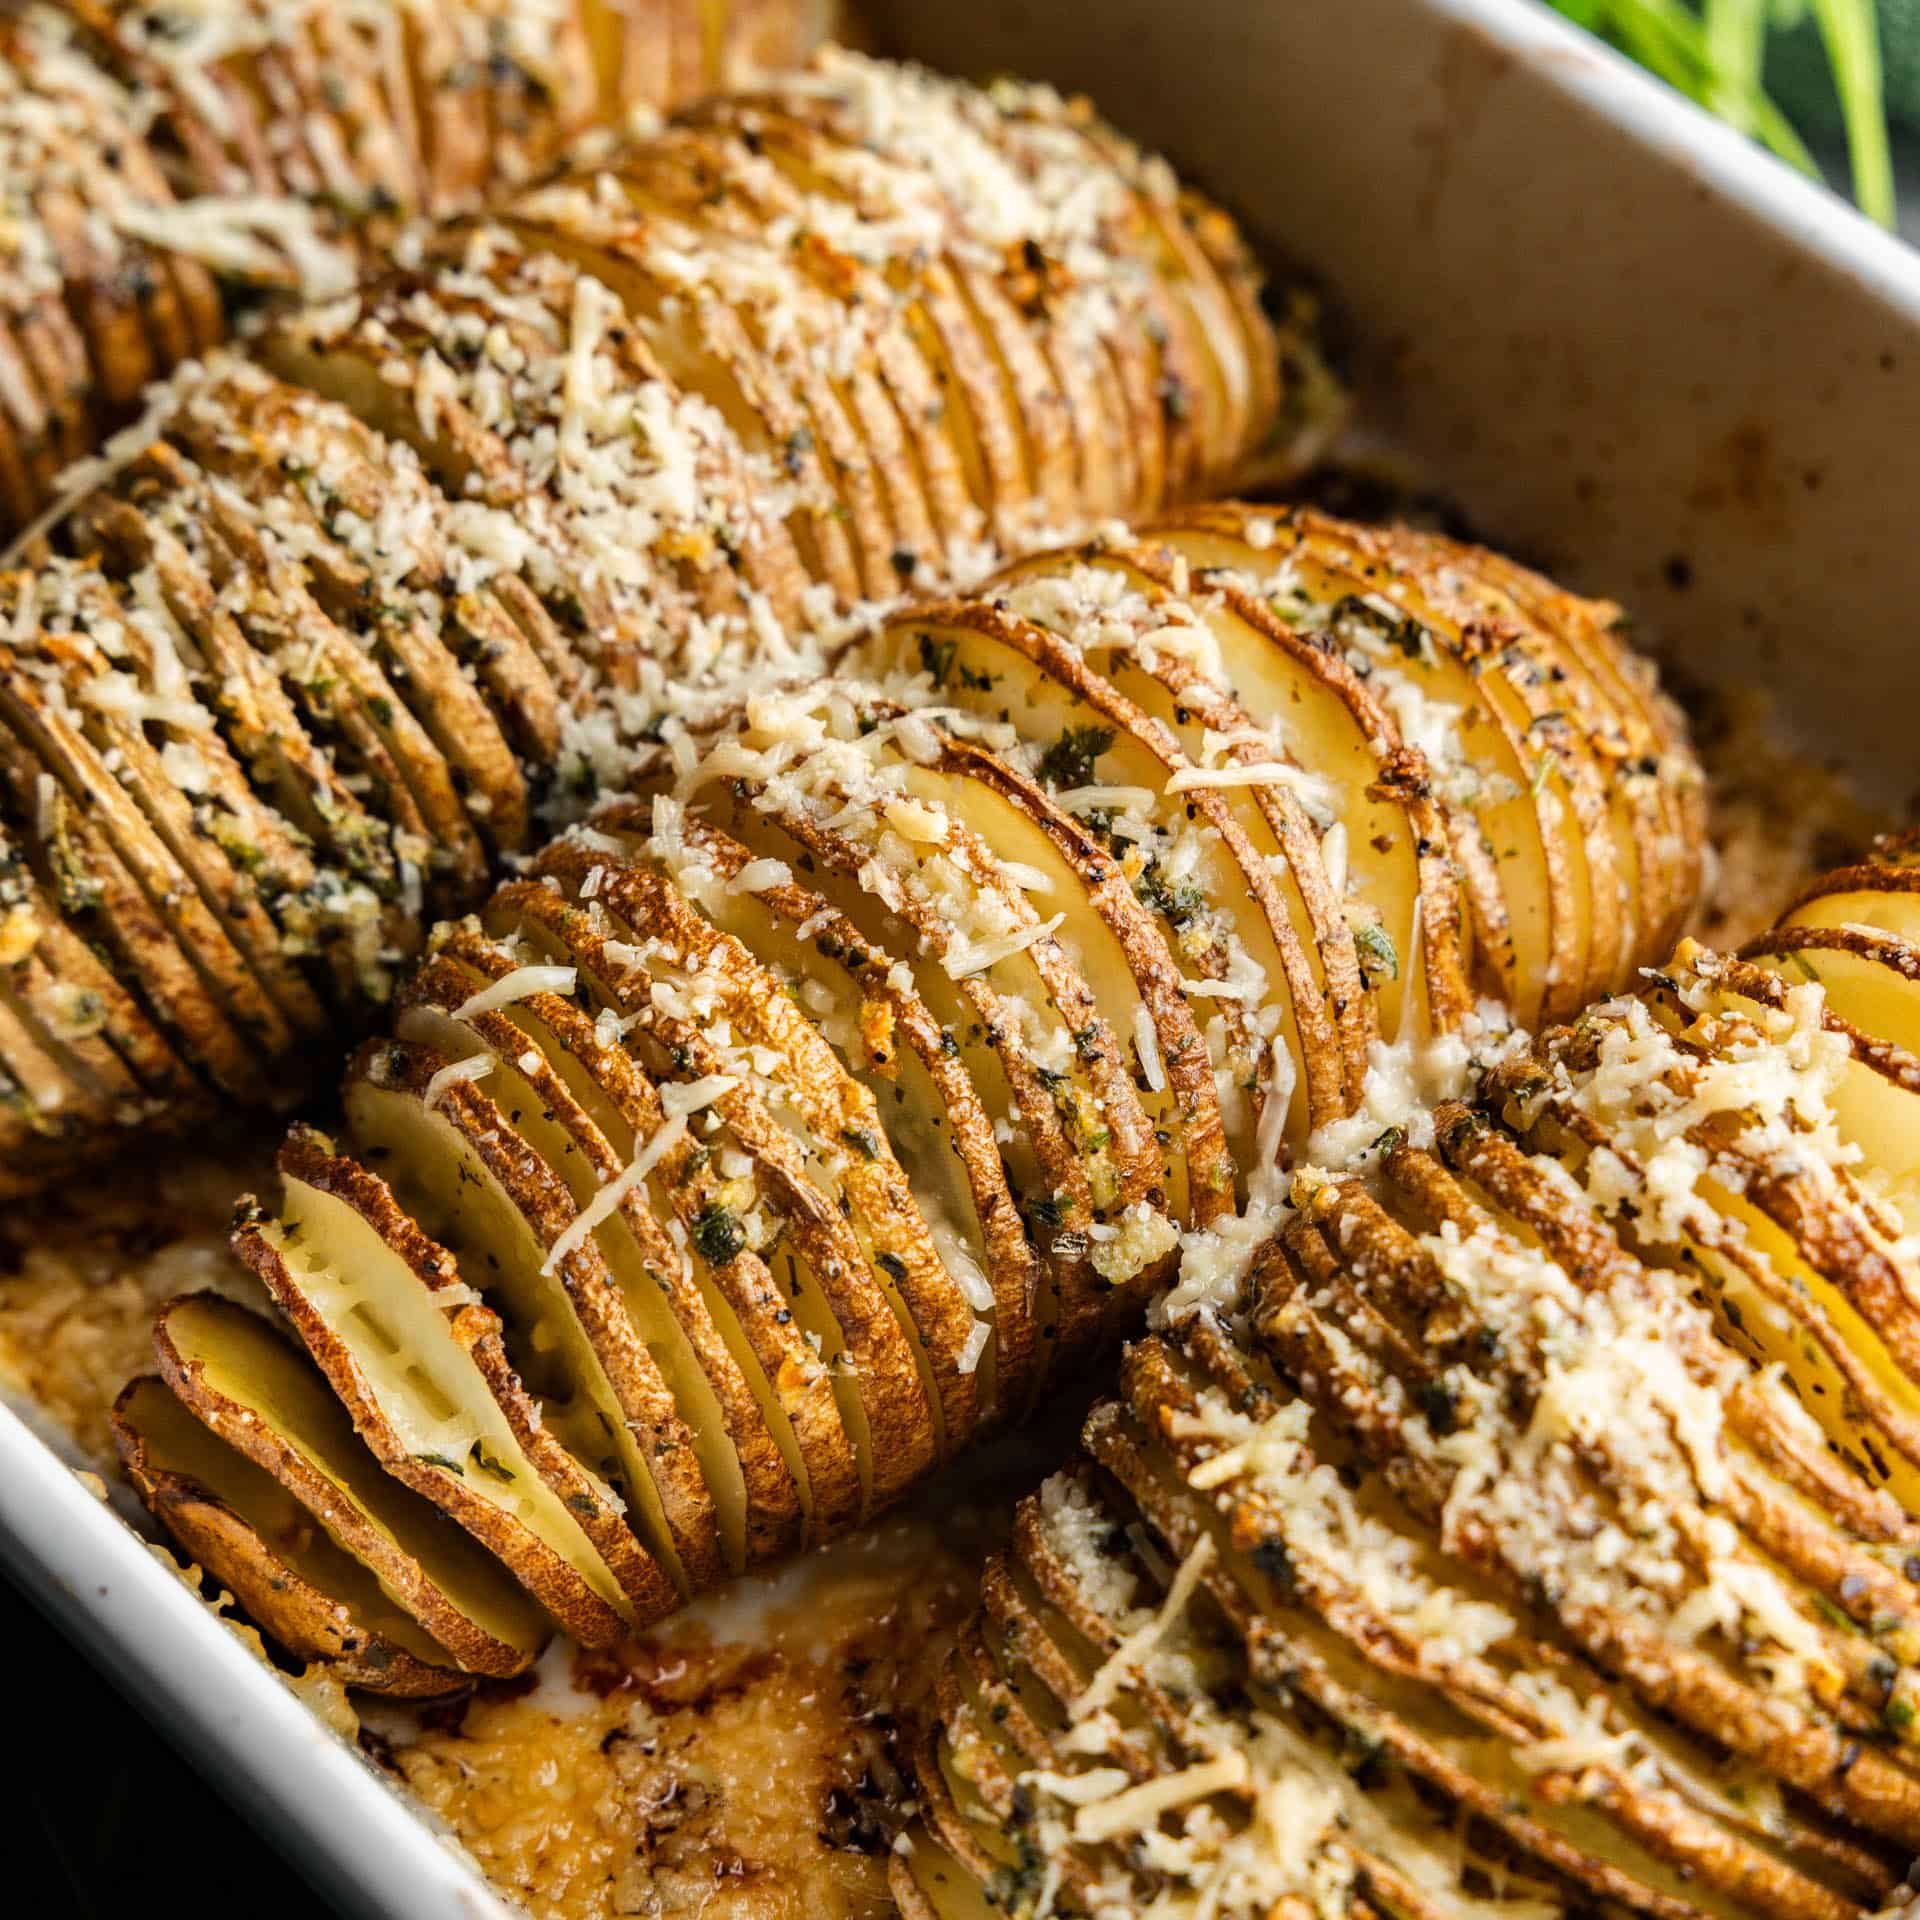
x=1824, y=55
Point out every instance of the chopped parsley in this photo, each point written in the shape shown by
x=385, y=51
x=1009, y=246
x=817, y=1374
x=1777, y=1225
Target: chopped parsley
x=1378, y=958
x=719, y=1235
x=1176, y=902
x=1069, y=761
x=487, y=1463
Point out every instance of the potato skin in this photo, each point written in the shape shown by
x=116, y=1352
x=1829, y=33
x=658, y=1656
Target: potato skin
x=308, y=1156
x=254, y=1395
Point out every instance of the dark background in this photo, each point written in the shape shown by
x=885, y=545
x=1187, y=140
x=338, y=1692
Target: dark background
x=106, y=1805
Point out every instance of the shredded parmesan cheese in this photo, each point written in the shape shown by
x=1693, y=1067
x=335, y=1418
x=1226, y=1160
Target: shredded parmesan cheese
x=476, y=1066
x=521, y=984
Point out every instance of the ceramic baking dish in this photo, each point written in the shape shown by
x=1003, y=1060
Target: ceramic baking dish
x=1627, y=344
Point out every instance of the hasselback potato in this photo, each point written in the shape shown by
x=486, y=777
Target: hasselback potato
x=161, y=166
x=790, y=1122
x=1539, y=1525
x=344, y=627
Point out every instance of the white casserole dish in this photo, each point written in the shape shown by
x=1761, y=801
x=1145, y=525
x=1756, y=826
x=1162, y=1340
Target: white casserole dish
x=1625, y=342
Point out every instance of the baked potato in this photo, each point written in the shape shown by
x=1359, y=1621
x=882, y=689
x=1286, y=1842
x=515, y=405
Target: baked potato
x=331, y=642
x=1538, y=1525
x=799, y=1117
x=160, y=169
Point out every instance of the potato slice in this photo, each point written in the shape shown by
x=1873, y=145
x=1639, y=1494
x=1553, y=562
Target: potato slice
x=263, y=1546
x=248, y=1386
x=911, y=366
x=1111, y=943
x=1641, y=1828
x=1113, y=407
x=60, y=999
x=81, y=869
x=223, y=968
x=1869, y=980
x=575, y=1091
x=349, y=703
x=704, y=344
x=238, y=854
x=1120, y=954
x=931, y=1115
x=774, y=1348
x=1219, y=372
x=459, y=768
x=928, y=1883
x=629, y=543
x=1550, y=710
x=1166, y=1746
x=260, y=721
x=838, y=333
x=914, y=879
x=453, y=1160
x=1241, y=692
x=1800, y=1275
x=1882, y=895
x=1572, y=781
x=1249, y=934
x=252, y=866
x=315, y=469
x=947, y=390
x=1643, y=735
x=429, y=1386
x=831, y=1119
x=53, y=360
x=1514, y=871
x=805, y=338
x=46, y=1107
x=1045, y=1170
x=808, y=1234
x=665, y=1451
x=1518, y=1192
x=75, y=1007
